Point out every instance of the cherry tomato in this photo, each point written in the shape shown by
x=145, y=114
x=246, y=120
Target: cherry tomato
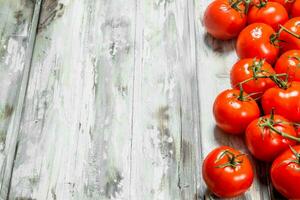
x=290, y=36
x=233, y=111
x=285, y=101
x=268, y=136
x=271, y=13
x=286, y=3
x=247, y=69
x=227, y=172
x=289, y=63
x=256, y=41
x=285, y=173
x=295, y=10
x=224, y=20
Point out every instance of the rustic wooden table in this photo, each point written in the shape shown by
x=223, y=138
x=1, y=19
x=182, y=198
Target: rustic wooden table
x=110, y=99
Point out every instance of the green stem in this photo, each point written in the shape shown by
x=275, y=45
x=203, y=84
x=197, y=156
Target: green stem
x=284, y=134
x=282, y=28
x=269, y=123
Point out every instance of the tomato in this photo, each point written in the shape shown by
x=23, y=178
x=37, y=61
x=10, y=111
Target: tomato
x=295, y=10
x=223, y=20
x=247, y=69
x=290, y=41
x=233, y=111
x=256, y=41
x=289, y=63
x=286, y=3
x=285, y=101
x=285, y=173
x=268, y=136
x=227, y=172
x=271, y=13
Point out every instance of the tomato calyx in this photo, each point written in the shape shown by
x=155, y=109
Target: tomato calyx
x=241, y=96
x=233, y=160
x=235, y=4
x=257, y=72
x=297, y=155
x=261, y=4
x=270, y=124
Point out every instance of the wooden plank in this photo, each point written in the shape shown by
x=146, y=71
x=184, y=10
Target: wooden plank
x=75, y=136
x=215, y=59
x=164, y=154
x=17, y=33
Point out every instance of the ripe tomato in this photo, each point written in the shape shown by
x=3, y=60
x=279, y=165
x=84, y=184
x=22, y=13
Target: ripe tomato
x=285, y=101
x=227, y=172
x=295, y=10
x=247, y=69
x=224, y=20
x=266, y=137
x=256, y=41
x=290, y=41
x=233, y=111
x=285, y=173
x=271, y=13
x=286, y=3
x=289, y=63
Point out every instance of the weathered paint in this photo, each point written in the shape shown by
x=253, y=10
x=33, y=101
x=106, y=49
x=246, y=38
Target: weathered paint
x=17, y=33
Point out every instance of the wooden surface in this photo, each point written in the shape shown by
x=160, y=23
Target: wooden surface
x=110, y=100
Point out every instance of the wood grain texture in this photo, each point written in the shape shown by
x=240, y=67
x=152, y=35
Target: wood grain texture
x=164, y=155
x=75, y=136
x=17, y=33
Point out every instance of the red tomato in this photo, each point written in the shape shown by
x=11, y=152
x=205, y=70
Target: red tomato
x=290, y=41
x=247, y=69
x=223, y=20
x=289, y=63
x=286, y=3
x=234, y=111
x=295, y=10
x=255, y=41
x=266, y=137
x=227, y=172
x=285, y=173
x=271, y=13
x=285, y=101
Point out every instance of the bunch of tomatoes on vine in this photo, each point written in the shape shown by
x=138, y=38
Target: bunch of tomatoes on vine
x=263, y=104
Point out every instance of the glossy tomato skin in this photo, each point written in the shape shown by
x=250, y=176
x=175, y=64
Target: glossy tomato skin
x=285, y=175
x=233, y=115
x=286, y=102
x=289, y=63
x=243, y=70
x=287, y=4
x=272, y=13
x=290, y=42
x=254, y=42
x=222, y=21
x=263, y=143
x=226, y=182
x=295, y=10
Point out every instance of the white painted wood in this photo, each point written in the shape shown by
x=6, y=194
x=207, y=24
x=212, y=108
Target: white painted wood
x=75, y=137
x=164, y=154
x=17, y=32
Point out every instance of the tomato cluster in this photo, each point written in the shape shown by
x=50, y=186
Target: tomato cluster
x=266, y=76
